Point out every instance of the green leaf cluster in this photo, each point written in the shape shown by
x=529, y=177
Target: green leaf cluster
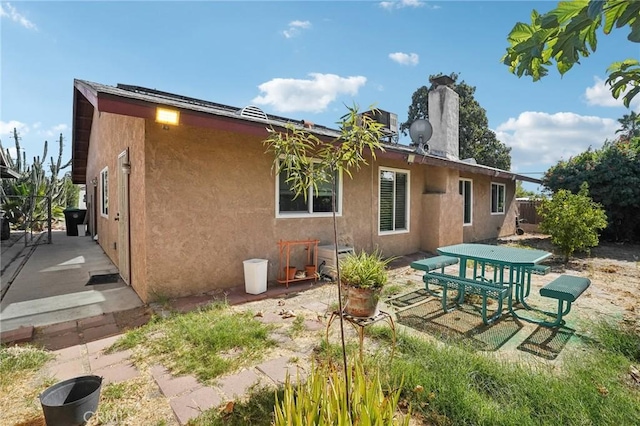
x=568, y=33
x=310, y=160
x=318, y=401
x=475, y=138
x=572, y=220
x=613, y=176
x=365, y=270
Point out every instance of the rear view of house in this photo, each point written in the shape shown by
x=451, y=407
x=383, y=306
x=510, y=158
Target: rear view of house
x=180, y=191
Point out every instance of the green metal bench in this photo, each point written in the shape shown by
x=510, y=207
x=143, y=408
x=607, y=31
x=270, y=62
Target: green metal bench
x=433, y=263
x=540, y=269
x=566, y=289
x=485, y=288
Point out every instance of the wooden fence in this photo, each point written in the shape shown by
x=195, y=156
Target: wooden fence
x=527, y=211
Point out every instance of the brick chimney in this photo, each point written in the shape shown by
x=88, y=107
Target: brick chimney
x=444, y=111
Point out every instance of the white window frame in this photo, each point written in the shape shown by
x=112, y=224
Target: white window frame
x=504, y=198
x=309, y=213
x=408, y=201
x=470, y=201
x=104, y=192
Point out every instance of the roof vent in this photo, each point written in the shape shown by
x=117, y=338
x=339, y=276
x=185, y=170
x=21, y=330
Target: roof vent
x=253, y=112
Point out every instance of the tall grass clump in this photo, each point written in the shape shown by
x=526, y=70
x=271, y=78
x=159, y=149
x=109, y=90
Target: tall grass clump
x=461, y=386
x=617, y=338
x=319, y=399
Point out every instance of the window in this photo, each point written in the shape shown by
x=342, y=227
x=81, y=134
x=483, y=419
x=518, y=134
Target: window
x=316, y=203
x=497, y=198
x=394, y=201
x=104, y=192
x=465, y=187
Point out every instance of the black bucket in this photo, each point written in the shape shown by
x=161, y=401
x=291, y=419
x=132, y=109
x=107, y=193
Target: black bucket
x=71, y=402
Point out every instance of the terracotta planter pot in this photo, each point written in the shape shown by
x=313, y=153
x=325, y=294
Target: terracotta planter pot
x=290, y=272
x=310, y=270
x=362, y=302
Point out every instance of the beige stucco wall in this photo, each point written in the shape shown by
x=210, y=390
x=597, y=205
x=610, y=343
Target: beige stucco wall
x=111, y=134
x=203, y=200
x=484, y=224
x=442, y=209
x=211, y=204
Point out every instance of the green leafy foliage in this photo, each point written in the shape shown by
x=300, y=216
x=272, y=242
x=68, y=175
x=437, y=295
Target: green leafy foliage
x=318, y=400
x=25, y=199
x=310, y=160
x=572, y=220
x=365, y=270
x=569, y=32
x=476, y=139
x=613, y=176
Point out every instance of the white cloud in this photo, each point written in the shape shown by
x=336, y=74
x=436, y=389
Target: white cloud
x=539, y=139
x=295, y=27
x=401, y=4
x=7, y=10
x=600, y=95
x=312, y=95
x=405, y=58
x=6, y=127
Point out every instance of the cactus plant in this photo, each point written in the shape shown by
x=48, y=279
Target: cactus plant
x=25, y=199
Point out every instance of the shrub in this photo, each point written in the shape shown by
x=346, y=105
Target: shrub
x=572, y=220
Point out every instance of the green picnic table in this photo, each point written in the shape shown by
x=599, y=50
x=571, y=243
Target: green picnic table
x=511, y=269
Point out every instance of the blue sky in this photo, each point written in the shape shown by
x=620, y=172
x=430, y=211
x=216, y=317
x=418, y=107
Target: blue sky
x=303, y=60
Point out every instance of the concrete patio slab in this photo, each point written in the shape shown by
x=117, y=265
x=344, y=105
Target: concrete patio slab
x=51, y=286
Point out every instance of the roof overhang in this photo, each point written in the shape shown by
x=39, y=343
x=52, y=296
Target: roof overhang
x=89, y=97
x=402, y=152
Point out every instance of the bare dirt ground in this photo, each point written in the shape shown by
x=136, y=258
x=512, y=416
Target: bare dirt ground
x=614, y=271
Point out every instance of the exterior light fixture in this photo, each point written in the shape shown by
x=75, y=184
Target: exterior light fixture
x=411, y=158
x=167, y=116
x=420, y=132
x=94, y=181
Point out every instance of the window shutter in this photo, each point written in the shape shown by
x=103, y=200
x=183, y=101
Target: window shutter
x=401, y=201
x=386, y=200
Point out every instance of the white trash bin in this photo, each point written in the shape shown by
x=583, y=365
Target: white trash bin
x=255, y=275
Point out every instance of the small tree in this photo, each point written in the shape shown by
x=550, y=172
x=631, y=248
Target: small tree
x=572, y=220
x=309, y=161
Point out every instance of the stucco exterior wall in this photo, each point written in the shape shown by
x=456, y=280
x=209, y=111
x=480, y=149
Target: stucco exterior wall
x=442, y=209
x=211, y=204
x=208, y=197
x=486, y=225
x=111, y=134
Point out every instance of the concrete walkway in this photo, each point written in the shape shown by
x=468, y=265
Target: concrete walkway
x=50, y=286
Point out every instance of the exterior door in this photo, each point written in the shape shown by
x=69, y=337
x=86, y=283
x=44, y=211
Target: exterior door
x=122, y=216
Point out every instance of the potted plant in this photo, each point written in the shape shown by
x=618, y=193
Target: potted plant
x=363, y=276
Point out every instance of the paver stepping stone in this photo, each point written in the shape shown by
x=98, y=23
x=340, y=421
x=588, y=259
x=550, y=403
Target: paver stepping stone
x=237, y=385
x=171, y=386
x=192, y=404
